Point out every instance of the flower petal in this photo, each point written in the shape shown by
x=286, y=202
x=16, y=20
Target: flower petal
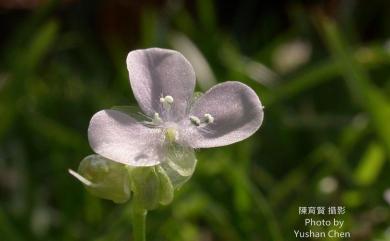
x=156, y=73
x=237, y=113
x=119, y=137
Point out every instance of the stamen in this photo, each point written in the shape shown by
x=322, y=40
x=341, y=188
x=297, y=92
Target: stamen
x=169, y=99
x=166, y=102
x=209, y=118
x=195, y=120
x=157, y=118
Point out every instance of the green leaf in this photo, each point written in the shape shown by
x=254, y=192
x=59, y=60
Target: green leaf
x=370, y=97
x=40, y=45
x=370, y=165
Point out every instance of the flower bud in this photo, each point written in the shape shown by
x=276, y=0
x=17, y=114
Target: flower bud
x=151, y=186
x=108, y=179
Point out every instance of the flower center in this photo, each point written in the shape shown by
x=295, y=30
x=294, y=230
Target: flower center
x=171, y=134
x=170, y=129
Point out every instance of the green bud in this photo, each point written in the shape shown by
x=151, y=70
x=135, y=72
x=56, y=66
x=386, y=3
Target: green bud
x=151, y=186
x=108, y=179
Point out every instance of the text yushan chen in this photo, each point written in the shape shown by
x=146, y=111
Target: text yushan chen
x=334, y=227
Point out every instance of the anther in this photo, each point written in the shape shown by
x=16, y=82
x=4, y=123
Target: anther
x=195, y=120
x=209, y=118
x=168, y=99
x=157, y=117
x=166, y=102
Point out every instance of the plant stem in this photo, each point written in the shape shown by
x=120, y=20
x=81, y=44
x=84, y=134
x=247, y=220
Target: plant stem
x=138, y=217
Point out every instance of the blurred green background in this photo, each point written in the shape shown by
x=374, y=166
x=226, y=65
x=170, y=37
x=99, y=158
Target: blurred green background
x=321, y=68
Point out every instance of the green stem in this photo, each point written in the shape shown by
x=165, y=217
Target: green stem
x=138, y=217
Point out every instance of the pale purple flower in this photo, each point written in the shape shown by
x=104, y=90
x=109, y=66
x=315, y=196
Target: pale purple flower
x=163, y=83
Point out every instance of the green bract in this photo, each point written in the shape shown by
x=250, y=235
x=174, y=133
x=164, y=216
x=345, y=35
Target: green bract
x=150, y=186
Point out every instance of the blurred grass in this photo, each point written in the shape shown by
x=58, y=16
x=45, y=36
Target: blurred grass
x=326, y=117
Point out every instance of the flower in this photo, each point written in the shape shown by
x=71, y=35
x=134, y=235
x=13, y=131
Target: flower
x=163, y=83
x=150, y=152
